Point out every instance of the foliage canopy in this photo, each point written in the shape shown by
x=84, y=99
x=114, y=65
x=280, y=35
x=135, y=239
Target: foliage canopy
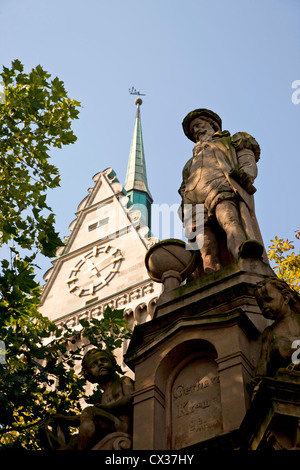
x=37, y=368
x=286, y=260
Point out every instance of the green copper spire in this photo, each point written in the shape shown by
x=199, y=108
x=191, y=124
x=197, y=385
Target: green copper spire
x=136, y=184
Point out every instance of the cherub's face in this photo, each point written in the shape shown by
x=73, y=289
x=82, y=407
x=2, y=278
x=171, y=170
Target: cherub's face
x=201, y=127
x=100, y=367
x=271, y=302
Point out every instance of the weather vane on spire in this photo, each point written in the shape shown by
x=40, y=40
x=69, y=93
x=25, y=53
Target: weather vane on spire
x=133, y=91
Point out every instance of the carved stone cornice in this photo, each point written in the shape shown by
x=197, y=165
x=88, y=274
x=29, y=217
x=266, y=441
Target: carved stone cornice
x=129, y=298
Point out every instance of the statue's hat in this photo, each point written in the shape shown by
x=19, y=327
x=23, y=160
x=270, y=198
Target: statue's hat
x=201, y=112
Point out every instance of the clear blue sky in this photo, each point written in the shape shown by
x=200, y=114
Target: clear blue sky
x=236, y=57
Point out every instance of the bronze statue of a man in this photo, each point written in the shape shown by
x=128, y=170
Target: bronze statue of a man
x=220, y=176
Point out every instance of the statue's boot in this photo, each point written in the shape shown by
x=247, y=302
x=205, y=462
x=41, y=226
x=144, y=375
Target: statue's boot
x=251, y=249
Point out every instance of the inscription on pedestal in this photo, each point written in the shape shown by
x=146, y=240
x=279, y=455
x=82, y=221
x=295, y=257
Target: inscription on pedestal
x=196, y=404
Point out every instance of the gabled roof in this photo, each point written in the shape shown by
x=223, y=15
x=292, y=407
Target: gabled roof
x=104, y=217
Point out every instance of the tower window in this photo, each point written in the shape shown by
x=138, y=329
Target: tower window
x=98, y=224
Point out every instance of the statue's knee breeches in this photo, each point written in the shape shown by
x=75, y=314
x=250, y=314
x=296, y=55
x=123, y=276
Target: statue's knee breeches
x=227, y=214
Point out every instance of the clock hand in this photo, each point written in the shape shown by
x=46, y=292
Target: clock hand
x=91, y=266
x=98, y=273
x=101, y=262
x=112, y=260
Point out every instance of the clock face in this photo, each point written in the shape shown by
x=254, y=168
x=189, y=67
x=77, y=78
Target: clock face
x=94, y=270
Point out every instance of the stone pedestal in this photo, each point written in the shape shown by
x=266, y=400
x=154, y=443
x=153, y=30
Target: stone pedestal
x=273, y=419
x=194, y=361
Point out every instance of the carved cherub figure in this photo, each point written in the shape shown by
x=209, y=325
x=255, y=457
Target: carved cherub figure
x=280, y=303
x=114, y=412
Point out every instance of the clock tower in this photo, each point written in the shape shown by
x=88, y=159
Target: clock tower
x=103, y=260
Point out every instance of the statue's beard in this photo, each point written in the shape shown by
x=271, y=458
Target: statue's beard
x=203, y=135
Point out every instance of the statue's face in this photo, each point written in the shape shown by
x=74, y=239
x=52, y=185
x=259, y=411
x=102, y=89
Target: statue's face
x=271, y=302
x=200, y=128
x=100, y=367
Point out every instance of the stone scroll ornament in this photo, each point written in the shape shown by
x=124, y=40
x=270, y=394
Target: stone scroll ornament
x=220, y=177
x=104, y=426
x=280, y=303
